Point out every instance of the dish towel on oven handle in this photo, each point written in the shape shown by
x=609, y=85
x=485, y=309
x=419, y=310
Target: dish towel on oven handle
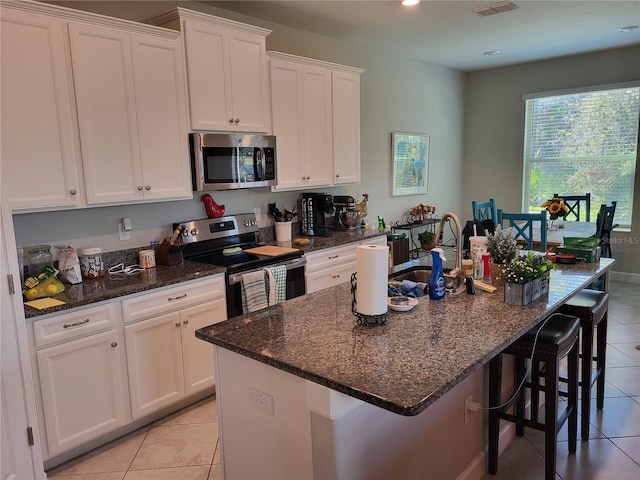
x=276, y=284
x=254, y=294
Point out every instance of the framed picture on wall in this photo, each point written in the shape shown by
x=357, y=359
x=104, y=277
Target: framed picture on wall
x=409, y=163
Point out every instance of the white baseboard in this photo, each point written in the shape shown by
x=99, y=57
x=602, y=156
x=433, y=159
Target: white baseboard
x=478, y=467
x=625, y=277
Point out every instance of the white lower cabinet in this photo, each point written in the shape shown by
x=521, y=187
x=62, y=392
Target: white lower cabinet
x=334, y=266
x=165, y=361
x=83, y=380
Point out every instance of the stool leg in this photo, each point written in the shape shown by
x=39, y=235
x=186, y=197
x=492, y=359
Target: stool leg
x=535, y=392
x=572, y=396
x=587, y=365
x=550, y=417
x=519, y=372
x=495, y=387
x=601, y=349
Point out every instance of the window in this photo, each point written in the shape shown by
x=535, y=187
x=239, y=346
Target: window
x=579, y=142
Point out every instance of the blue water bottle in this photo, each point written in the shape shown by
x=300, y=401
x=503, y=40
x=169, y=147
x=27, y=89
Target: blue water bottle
x=436, y=281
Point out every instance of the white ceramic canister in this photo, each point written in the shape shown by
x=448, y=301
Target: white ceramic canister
x=147, y=258
x=91, y=262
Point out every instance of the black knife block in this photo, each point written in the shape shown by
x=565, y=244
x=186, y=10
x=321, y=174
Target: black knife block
x=168, y=254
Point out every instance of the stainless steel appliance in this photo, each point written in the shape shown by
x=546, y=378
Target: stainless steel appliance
x=346, y=216
x=316, y=210
x=230, y=161
x=210, y=241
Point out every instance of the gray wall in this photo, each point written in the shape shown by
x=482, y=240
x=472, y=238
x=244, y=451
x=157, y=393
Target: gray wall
x=397, y=95
x=494, y=122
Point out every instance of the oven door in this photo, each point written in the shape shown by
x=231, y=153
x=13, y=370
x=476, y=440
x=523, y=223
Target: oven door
x=295, y=284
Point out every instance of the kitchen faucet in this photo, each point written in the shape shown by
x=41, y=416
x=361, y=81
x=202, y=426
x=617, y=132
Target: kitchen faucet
x=458, y=268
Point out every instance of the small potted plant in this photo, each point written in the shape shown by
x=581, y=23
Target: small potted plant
x=427, y=240
x=502, y=249
x=527, y=278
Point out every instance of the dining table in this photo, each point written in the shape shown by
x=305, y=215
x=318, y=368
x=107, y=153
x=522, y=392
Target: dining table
x=555, y=237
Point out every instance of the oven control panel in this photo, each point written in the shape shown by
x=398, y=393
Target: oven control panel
x=213, y=228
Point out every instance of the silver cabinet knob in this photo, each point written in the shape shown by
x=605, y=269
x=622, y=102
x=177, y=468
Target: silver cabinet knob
x=140, y=187
x=72, y=191
x=177, y=324
x=114, y=344
x=237, y=121
x=185, y=322
x=231, y=120
x=148, y=187
x=337, y=175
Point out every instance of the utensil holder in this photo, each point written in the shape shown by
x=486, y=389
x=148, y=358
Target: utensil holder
x=168, y=254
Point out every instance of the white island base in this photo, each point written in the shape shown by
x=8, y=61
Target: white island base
x=319, y=433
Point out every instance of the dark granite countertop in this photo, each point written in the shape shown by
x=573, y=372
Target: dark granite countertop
x=118, y=285
x=408, y=363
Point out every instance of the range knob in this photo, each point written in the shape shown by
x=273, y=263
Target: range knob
x=194, y=231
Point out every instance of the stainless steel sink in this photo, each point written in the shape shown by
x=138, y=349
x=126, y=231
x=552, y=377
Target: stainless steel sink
x=454, y=283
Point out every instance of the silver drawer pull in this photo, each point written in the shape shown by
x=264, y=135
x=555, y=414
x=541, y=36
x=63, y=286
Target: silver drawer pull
x=171, y=299
x=335, y=276
x=69, y=325
x=332, y=257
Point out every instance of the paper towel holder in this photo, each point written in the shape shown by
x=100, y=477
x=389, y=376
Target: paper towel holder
x=366, y=320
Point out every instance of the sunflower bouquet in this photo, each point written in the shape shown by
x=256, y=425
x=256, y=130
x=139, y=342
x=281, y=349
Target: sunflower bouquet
x=556, y=208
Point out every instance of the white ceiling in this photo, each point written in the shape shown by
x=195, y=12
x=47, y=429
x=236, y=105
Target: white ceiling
x=445, y=32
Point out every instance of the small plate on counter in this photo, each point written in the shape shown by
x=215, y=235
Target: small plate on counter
x=401, y=304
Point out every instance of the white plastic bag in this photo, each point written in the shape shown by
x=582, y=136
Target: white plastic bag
x=69, y=265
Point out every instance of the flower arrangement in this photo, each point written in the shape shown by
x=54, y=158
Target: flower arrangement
x=527, y=268
x=421, y=209
x=556, y=208
x=501, y=245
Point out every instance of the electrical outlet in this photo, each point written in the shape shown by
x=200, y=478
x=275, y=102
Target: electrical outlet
x=467, y=409
x=261, y=401
x=124, y=234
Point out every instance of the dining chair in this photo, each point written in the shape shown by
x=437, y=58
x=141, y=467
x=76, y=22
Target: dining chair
x=604, y=226
x=522, y=225
x=573, y=204
x=484, y=210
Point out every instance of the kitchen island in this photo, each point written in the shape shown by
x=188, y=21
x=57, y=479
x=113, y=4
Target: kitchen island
x=304, y=392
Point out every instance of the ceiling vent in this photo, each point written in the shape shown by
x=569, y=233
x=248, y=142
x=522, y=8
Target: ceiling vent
x=494, y=8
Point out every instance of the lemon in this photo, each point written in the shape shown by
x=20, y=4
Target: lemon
x=31, y=294
x=51, y=290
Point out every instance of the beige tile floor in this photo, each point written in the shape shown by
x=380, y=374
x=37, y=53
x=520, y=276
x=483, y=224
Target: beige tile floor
x=184, y=446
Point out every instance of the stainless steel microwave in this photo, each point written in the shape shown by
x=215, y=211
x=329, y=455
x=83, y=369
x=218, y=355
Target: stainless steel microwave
x=231, y=161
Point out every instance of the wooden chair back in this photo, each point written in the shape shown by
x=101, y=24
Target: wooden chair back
x=574, y=204
x=484, y=210
x=522, y=224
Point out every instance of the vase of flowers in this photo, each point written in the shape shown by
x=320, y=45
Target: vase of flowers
x=502, y=249
x=556, y=208
x=421, y=212
x=527, y=278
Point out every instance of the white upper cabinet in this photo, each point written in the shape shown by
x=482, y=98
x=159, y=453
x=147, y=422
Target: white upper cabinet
x=39, y=153
x=131, y=114
x=227, y=72
x=316, y=119
x=345, y=103
x=301, y=109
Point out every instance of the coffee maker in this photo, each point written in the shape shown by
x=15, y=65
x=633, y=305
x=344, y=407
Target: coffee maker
x=346, y=216
x=316, y=210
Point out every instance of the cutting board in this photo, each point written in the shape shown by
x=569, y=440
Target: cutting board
x=270, y=250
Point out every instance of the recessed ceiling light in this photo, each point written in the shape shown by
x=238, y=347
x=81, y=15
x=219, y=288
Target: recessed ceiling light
x=410, y=3
x=491, y=53
x=628, y=28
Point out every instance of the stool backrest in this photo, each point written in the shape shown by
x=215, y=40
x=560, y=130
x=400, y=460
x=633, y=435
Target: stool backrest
x=522, y=224
x=484, y=210
x=573, y=203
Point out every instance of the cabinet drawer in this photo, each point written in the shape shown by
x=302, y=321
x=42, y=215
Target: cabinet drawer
x=330, y=256
x=69, y=326
x=173, y=298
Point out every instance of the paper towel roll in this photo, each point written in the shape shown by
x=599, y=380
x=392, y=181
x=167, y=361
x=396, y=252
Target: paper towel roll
x=372, y=272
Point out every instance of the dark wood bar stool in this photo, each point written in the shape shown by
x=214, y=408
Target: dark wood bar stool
x=558, y=338
x=591, y=307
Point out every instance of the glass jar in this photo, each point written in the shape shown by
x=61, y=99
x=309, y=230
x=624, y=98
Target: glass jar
x=91, y=262
x=38, y=257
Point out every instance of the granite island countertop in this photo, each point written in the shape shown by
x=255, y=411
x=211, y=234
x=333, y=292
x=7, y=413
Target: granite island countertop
x=112, y=286
x=405, y=365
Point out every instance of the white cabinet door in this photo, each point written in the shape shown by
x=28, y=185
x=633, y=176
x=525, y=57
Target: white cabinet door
x=83, y=389
x=227, y=77
x=154, y=361
x=328, y=277
x=161, y=113
x=106, y=113
x=197, y=355
x=301, y=106
x=346, y=127
x=39, y=153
